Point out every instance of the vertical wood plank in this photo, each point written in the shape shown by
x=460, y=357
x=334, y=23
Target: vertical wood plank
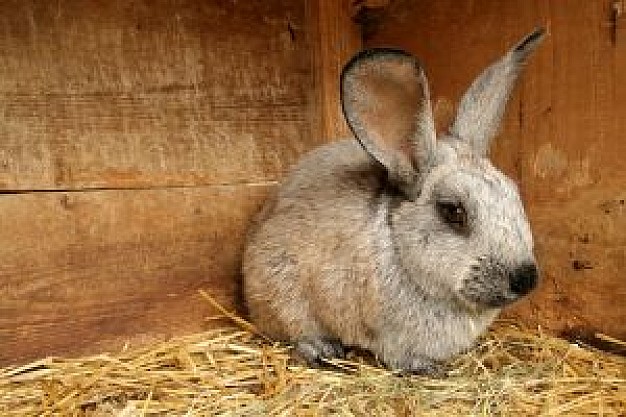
x=336, y=38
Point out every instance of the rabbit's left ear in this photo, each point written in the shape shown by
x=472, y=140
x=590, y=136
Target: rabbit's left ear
x=482, y=106
x=385, y=100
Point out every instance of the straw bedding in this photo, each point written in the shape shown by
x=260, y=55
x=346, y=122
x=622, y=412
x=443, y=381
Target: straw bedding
x=230, y=371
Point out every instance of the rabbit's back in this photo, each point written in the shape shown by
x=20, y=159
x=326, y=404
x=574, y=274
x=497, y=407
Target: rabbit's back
x=317, y=244
x=340, y=170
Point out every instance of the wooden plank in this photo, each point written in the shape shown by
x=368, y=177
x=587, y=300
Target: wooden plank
x=582, y=252
x=561, y=140
x=574, y=173
x=335, y=38
x=135, y=94
x=87, y=271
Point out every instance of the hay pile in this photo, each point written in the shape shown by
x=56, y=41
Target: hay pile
x=230, y=371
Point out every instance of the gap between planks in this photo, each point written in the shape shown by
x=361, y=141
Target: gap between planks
x=140, y=188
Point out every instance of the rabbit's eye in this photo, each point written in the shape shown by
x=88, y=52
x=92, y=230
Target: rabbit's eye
x=454, y=214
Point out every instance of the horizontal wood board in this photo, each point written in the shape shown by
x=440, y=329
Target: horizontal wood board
x=124, y=94
x=100, y=269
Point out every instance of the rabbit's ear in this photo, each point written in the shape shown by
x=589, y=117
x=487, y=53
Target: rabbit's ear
x=385, y=100
x=482, y=106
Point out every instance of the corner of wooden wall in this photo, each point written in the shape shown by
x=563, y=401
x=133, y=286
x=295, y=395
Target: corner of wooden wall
x=335, y=37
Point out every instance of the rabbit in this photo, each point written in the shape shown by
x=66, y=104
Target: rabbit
x=395, y=242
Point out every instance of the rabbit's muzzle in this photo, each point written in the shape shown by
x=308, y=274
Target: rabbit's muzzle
x=492, y=284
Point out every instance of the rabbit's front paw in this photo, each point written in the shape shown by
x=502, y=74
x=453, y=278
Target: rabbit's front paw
x=420, y=365
x=315, y=350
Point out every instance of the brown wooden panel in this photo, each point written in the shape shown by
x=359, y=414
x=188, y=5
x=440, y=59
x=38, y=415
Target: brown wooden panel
x=582, y=251
x=562, y=138
x=335, y=38
x=141, y=93
x=85, y=271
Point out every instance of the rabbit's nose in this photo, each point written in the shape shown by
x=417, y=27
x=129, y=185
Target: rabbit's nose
x=524, y=279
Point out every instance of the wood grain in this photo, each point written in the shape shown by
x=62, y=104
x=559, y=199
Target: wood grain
x=136, y=140
x=85, y=271
x=125, y=94
x=562, y=139
x=335, y=38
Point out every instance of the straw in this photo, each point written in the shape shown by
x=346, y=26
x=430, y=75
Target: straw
x=233, y=371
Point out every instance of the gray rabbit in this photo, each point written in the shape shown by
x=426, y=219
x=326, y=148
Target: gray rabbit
x=395, y=242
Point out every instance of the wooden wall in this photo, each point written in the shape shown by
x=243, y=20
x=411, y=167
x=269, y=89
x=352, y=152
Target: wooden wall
x=138, y=137
x=136, y=140
x=564, y=138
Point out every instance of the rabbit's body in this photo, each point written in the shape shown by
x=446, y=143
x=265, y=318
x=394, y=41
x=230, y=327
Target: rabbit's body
x=410, y=251
x=301, y=267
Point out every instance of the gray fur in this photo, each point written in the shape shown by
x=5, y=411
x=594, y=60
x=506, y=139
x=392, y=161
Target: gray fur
x=482, y=107
x=341, y=255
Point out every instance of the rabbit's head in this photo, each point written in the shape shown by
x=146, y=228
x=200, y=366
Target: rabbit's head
x=458, y=223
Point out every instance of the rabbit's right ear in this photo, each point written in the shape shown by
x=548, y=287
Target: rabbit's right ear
x=385, y=100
